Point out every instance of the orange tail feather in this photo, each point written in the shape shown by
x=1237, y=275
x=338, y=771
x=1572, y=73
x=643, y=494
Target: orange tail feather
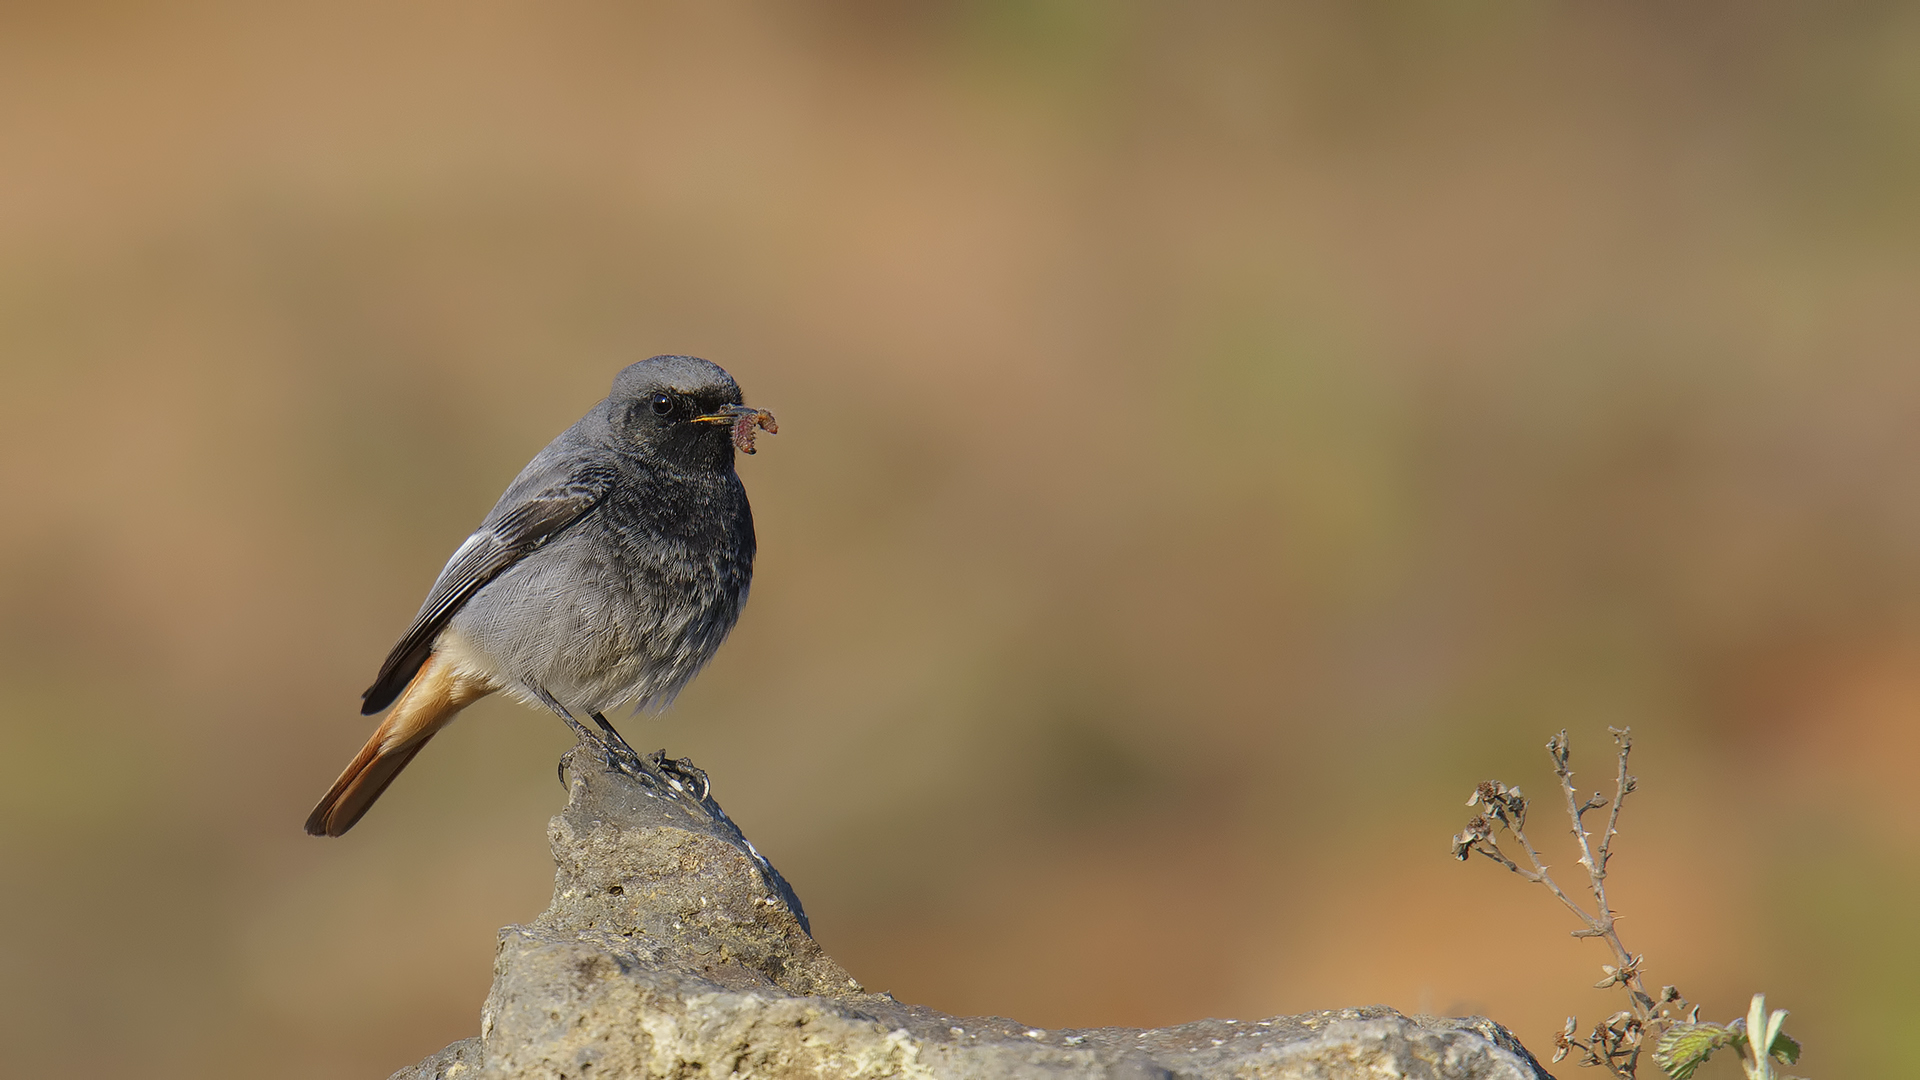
x=434, y=697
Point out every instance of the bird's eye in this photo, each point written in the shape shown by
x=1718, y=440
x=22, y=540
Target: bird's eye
x=662, y=404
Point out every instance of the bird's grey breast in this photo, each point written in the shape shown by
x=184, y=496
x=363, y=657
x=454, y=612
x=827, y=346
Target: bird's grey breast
x=626, y=604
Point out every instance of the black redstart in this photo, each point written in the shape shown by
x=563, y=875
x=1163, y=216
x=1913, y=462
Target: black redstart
x=607, y=575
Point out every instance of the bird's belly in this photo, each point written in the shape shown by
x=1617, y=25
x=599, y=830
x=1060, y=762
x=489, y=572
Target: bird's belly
x=590, y=632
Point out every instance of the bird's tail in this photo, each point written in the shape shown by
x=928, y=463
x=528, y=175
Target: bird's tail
x=436, y=694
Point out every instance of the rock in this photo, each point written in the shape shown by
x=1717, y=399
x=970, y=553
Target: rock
x=462, y=1059
x=673, y=949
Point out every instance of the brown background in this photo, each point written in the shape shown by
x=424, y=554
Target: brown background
x=1214, y=436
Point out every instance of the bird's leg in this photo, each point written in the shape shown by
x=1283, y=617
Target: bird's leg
x=590, y=737
x=617, y=754
x=611, y=738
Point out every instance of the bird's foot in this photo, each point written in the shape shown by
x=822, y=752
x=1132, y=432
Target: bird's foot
x=672, y=778
x=682, y=770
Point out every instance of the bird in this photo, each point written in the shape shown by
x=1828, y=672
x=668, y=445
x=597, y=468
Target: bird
x=606, y=576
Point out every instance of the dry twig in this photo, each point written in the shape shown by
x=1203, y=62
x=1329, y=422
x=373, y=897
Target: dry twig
x=1682, y=1042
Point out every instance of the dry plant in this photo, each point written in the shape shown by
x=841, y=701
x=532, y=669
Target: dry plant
x=1680, y=1040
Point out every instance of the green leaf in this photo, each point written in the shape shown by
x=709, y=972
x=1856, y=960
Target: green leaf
x=1785, y=1049
x=1684, y=1046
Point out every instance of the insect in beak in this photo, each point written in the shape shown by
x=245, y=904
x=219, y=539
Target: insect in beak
x=746, y=422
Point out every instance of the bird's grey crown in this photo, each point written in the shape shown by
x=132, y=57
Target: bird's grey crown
x=703, y=380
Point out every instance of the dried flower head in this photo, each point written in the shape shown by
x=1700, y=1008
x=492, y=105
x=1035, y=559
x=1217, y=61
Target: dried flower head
x=1506, y=804
x=1476, y=831
x=1564, y=1042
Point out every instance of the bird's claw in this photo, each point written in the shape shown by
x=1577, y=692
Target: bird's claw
x=684, y=768
x=672, y=776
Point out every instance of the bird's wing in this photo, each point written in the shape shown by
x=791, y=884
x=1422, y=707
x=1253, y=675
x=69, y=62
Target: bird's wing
x=539, y=504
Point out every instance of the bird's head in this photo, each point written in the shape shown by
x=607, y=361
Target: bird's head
x=683, y=410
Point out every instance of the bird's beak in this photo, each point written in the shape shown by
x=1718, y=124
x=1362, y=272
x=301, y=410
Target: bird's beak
x=727, y=414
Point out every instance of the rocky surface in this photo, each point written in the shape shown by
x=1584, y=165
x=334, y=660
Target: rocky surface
x=672, y=949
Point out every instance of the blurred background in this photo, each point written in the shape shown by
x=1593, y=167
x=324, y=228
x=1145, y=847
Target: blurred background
x=1213, y=437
